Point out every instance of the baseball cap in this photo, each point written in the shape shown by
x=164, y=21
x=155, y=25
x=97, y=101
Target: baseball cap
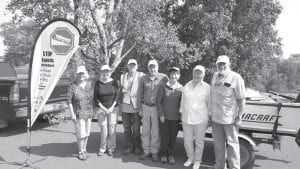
x=81, y=69
x=223, y=59
x=199, y=67
x=105, y=67
x=152, y=62
x=130, y=61
x=174, y=69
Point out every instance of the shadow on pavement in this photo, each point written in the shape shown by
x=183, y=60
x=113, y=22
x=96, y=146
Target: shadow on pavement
x=259, y=157
x=19, y=127
x=180, y=156
x=53, y=149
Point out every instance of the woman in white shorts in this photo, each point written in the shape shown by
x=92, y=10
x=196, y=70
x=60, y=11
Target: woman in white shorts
x=80, y=102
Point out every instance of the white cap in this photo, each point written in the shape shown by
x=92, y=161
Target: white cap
x=130, y=61
x=223, y=59
x=81, y=69
x=199, y=67
x=152, y=62
x=105, y=67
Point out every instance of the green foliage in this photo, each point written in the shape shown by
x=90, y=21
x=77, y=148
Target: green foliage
x=285, y=77
x=184, y=35
x=19, y=39
x=138, y=22
x=242, y=29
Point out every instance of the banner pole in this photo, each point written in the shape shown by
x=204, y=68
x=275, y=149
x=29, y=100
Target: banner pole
x=28, y=142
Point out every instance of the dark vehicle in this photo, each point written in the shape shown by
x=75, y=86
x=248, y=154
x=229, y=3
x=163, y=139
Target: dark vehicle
x=14, y=94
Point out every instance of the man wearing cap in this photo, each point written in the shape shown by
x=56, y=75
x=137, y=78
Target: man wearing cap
x=168, y=103
x=80, y=102
x=147, y=95
x=194, y=108
x=128, y=98
x=227, y=107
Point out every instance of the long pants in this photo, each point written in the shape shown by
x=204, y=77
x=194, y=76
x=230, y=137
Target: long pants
x=193, y=137
x=107, y=124
x=168, y=134
x=150, y=130
x=131, y=124
x=222, y=134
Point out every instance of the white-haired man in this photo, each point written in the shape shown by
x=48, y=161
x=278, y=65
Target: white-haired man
x=148, y=92
x=131, y=120
x=227, y=107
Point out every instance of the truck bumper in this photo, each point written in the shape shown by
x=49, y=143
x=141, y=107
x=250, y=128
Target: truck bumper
x=298, y=138
x=3, y=123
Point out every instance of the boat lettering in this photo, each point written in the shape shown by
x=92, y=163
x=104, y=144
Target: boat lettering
x=258, y=117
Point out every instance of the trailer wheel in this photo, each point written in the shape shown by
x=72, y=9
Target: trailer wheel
x=247, y=155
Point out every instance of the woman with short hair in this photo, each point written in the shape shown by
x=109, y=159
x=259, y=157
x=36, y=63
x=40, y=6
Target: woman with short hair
x=80, y=102
x=195, y=115
x=106, y=94
x=168, y=104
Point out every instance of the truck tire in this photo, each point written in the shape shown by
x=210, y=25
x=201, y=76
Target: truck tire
x=247, y=155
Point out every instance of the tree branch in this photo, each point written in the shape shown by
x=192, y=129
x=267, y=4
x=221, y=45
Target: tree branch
x=100, y=27
x=119, y=58
x=128, y=51
x=86, y=56
x=114, y=42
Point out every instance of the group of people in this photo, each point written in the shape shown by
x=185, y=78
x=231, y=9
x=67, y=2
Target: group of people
x=158, y=103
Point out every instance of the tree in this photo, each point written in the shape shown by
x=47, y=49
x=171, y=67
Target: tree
x=242, y=29
x=18, y=37
x=111, y=28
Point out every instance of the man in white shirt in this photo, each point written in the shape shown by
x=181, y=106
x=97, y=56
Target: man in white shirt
x=194, y=108
x=227, y=107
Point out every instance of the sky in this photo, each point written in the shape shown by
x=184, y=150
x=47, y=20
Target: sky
x=287, y=25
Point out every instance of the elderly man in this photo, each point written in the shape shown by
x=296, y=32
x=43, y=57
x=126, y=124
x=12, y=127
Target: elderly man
x=131, y=120
x=148, y=91
x=227, y=107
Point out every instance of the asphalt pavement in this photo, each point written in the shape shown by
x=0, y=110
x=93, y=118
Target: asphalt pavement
x=54, y=147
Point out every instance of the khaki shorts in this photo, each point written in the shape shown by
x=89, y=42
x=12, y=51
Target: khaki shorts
x=83, y=128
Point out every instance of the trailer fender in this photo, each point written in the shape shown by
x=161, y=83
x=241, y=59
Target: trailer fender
x=247, y=153
x=247, y=138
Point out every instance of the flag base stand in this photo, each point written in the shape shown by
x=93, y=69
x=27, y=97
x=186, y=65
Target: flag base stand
x=27, y=163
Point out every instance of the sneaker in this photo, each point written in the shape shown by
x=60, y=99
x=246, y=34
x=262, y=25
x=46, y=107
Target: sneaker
x=127, y=151
x=171, y=160
x=110, y=152
x=164, y=159
x=196, y=165
x=155, y=157
x=81, y=156
x=137, y=151
x=188, y=163
x=144, y=156
x=100, y=153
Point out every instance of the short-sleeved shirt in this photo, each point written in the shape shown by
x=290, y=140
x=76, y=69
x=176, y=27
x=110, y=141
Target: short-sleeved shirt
x=168, y=101
x=226, y=90
x=195, y=103
x=81, y=100
x=148, y=89
x=106, y=93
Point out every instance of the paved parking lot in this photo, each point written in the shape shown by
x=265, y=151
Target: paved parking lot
x=56, y=148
